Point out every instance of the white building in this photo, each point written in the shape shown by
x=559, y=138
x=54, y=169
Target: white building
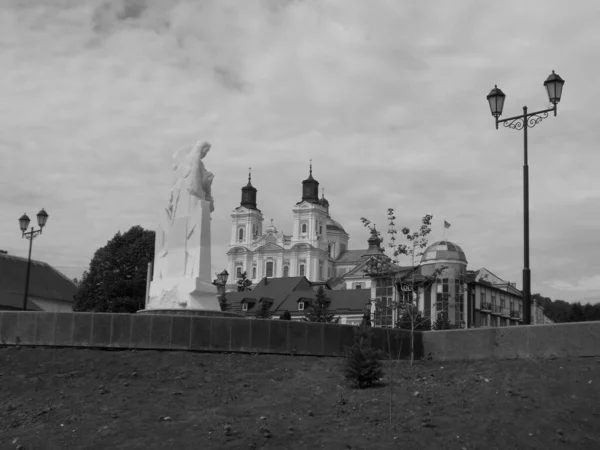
x=316, y=248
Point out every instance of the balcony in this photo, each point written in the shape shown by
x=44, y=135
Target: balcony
x=496, y=309
x=486, y=306
x=505, y=312
x=515, y=315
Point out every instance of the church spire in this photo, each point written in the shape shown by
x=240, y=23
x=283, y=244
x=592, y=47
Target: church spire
x=249, y=193
x=310, y=188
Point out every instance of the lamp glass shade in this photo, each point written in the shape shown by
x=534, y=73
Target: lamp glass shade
x=24, y=222
x=496, y=100
x=222, y=277
x=554, y=84
x=42, y=217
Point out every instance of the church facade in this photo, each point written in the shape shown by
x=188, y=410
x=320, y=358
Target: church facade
x=316, y=248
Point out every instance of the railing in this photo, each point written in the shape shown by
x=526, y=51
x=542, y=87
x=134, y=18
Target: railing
x=506, y=312
x=515, y=314
x=486, y=306
x=496, y=309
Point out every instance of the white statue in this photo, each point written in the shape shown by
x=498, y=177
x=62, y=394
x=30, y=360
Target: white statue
x=182, y=272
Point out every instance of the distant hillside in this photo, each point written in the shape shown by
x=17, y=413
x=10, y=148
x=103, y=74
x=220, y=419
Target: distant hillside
x=562, y=311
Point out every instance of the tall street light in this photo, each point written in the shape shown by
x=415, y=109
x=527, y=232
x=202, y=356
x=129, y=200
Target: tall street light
x=554, y=85
x=42, y=217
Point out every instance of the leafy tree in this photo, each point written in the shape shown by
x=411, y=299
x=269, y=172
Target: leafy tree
x=244, y=284
x=318, y=310
x=285, y=316
x=225, y=306
x=264, y=312
x=362, y=364
x=415, y=318
x=441, y=323
x=561, y=311
x=116, y=279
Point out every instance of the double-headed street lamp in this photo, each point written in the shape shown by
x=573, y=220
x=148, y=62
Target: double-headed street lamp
x=554, y=85
x=42, y=217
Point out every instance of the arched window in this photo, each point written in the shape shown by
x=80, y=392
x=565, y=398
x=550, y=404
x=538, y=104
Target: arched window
x=301, y=270
x=286, y=271
x=254, y=273
x=303, y=228
x=241, y=234
x=269, y=268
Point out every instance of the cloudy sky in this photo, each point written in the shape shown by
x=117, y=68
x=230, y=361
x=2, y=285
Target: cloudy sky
x=386, y=96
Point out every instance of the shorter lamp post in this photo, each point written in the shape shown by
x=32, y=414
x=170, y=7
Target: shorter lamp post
x=554, y=85
x=221, y=281
x=42, y=217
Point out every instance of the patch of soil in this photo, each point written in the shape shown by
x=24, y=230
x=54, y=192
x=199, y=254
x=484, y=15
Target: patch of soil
x=76, y=398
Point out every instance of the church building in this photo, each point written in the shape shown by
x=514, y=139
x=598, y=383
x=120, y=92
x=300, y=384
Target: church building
x=316, y=248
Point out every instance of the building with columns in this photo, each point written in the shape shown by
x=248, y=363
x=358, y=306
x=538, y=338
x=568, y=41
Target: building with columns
x=316, y=247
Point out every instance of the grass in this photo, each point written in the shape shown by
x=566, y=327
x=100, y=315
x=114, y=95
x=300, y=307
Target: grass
x=82, y=398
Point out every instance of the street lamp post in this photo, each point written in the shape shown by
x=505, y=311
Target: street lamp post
x=554, y=84
x=42, y=217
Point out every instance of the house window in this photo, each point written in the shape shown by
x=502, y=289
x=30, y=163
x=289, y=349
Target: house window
x=300, y=306
x=301, y=270
x=384, y=293
x=320, y=270
x=254, y=273
x=269, y=268
x=244, y=306
x=238, y=272
x=241, y=234
x=303, y=229
x=358, y=285
x=320, y=229
x=254, y=230
x=286, y=271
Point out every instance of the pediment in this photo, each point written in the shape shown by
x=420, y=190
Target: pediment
x=269, y=246
x=237, y=250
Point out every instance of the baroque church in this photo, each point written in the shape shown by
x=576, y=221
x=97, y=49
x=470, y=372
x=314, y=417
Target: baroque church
x=317, y=247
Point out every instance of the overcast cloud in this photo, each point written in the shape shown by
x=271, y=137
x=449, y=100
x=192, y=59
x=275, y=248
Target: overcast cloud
x=386, y=96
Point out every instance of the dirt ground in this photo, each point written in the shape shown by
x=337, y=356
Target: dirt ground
x=76, y=398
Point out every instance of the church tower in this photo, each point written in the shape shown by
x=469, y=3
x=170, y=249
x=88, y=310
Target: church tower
x=310, y=231
x=246, y=223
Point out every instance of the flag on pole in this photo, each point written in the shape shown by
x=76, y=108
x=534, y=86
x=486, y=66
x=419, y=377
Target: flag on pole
x=446, y=224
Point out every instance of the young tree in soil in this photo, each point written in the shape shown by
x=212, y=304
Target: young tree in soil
x=417, y=241
x=116, y=279
x=319, y=309
x=362, y=365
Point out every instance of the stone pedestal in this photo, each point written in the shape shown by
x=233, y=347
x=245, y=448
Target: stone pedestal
x=182, y=261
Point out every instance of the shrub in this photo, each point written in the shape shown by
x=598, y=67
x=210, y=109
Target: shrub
x=362, y=365
x=285, y=316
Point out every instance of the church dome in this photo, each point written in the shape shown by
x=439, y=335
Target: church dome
x=334, y=226
x=443, y=251
x=271, y=228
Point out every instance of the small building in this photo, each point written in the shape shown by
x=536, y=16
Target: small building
x=295, y=295
x=49, y=289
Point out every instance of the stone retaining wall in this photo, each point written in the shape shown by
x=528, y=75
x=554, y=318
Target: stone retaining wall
x=563, y=340
x=175, y=332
